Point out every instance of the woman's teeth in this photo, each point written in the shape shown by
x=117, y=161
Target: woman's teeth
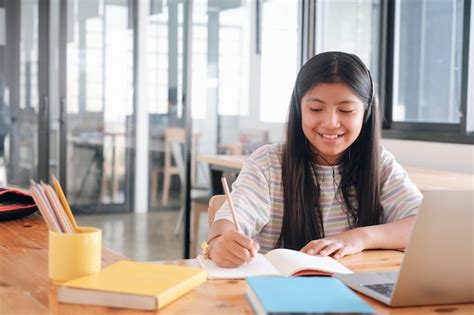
x=330, y=136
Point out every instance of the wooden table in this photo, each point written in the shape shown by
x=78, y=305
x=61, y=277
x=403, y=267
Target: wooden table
x=220, y=163
x=26, y=289
x=429, y=179
x=221, y=160
x=425, y=179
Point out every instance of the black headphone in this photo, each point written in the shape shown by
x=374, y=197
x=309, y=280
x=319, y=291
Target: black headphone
x=371, y=99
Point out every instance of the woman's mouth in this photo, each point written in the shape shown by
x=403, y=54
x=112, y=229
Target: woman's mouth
x=330, y=136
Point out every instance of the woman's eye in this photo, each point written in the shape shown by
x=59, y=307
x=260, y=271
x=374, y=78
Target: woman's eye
x=347, y=111
x=315, y=109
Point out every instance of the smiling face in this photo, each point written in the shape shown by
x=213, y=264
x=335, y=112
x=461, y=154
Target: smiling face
x=331, y=117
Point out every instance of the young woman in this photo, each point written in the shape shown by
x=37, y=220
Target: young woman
x=330, y=189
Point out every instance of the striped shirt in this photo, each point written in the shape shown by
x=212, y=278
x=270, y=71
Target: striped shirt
x=258, y=196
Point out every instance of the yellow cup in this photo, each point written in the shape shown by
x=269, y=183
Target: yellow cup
x=74, y=255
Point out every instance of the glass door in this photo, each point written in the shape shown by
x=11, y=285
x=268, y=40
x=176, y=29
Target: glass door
x=164, y=42
x=244, y=63
x=23, y=102
x=166, y=114
x=98, y=104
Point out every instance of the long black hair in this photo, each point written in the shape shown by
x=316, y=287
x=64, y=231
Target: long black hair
x=302, y=218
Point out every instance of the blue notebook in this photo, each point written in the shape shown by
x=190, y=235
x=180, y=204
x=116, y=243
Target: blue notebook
x=273, y=295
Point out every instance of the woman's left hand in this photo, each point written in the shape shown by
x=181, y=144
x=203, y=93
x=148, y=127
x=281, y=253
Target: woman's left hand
x=346, y=243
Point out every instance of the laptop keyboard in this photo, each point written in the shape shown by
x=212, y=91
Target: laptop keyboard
x=383, y=288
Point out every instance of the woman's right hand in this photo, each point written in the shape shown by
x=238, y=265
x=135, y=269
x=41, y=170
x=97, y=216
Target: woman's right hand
x=232, y=249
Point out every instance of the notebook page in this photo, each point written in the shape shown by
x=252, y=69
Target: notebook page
x=258, y=266
x=288, y=262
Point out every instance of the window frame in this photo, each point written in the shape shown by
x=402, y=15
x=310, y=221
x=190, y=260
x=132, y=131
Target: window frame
x=430, y=132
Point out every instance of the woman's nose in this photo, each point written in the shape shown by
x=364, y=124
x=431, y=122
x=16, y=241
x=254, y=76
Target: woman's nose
x=331, y=120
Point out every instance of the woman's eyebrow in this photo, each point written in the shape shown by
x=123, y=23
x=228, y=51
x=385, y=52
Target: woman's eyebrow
x=346, y=102
x=315, y=99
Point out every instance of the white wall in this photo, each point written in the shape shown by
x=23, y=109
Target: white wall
x=434, y=155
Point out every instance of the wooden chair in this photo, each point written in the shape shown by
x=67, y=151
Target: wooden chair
x=174, y=139
x=214, y=203
x=248, y=141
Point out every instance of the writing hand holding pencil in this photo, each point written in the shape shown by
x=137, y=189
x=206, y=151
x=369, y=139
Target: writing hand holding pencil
x=228, y=246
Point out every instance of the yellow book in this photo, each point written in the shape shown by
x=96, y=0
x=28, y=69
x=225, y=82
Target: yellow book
x=135, y=285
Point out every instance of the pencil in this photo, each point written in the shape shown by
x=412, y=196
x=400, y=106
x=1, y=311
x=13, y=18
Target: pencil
x=64, y=203
x=41, y=203
x=58, y=209
x=49, y=210
x=231, y=204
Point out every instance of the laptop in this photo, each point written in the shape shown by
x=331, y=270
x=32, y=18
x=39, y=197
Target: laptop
x=438, y=266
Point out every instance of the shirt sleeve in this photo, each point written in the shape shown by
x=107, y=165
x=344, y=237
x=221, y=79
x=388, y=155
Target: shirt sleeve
x=400, y=197
x=250, y=195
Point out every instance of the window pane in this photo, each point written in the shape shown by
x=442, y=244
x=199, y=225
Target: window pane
x=279, y=47
x=351, y=26
x=428, y=59
x=159, y=94
x=233, y=59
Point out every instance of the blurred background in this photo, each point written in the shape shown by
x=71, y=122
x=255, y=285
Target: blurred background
x=133, y=103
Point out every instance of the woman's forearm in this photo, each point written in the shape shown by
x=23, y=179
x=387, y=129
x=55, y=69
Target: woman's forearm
x=390, y=235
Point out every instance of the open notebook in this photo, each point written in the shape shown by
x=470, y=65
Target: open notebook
x=284, y=262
